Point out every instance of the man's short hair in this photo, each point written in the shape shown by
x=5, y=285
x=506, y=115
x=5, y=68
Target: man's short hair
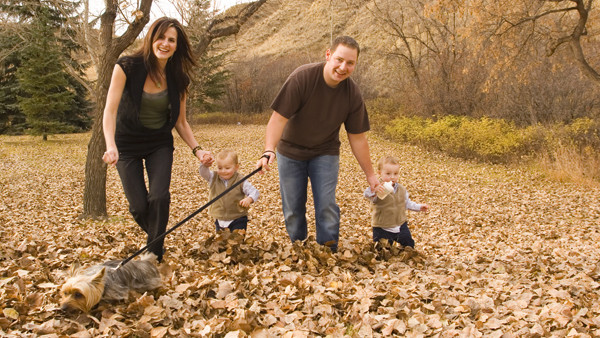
x=346, y=41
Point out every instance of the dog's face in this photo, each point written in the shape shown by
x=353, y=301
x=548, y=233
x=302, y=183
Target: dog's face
x=82, y=291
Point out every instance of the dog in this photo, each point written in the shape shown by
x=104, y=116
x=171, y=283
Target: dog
x=84, y=288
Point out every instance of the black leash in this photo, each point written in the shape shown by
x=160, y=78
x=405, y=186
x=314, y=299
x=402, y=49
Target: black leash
x=123, y=262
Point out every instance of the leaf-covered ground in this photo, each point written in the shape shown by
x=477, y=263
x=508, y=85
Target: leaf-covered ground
x=502, y=252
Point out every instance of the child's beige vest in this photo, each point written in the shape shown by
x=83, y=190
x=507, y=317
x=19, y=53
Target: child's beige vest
x=228, y=207
x=390, y=211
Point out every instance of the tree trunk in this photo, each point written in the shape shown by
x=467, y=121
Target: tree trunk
x=94, y=193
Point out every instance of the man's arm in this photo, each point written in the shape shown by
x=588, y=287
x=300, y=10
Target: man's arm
x=272, y=136
x=360, y=149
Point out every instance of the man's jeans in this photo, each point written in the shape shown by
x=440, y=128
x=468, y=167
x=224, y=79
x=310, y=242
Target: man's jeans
x=293, y=181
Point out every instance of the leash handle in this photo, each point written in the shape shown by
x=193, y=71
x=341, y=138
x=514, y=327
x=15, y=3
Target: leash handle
x=126, y=260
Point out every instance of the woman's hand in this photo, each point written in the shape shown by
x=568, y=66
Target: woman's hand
x=111, y=156
x=205, y=157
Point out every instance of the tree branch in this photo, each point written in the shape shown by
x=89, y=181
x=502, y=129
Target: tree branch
x=536, y=17
x=134, y=29
x=233, y=25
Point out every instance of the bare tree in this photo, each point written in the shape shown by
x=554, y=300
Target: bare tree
x=431, y=42
x=571, y=17
x=94, y=194
x=111, y=47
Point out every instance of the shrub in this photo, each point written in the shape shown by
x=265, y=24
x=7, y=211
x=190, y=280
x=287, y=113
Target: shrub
x=407, y=129
x=485, y=139
x=584, y=132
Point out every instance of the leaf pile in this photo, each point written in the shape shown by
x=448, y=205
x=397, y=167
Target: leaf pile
x=502, y=252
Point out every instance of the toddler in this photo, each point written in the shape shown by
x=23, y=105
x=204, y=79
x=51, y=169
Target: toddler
x=231, y=210
x=389, y=203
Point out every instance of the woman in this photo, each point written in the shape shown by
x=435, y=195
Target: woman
x=146, y=99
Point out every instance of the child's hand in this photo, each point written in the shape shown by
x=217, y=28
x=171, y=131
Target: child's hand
x=424, y=207
x=245, y=203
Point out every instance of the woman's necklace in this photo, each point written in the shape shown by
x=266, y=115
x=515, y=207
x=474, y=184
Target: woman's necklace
x=159, y=82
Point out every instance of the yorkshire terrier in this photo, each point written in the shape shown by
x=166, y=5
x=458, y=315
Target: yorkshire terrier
x=84, y=288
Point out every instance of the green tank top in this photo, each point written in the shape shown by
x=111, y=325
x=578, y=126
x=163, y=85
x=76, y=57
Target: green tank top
x=154, y=109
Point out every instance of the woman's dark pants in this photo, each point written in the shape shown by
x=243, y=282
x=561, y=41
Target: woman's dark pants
x=149, y=207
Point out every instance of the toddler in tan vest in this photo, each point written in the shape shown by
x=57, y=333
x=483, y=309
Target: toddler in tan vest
x=231, y=210
x=389, y=203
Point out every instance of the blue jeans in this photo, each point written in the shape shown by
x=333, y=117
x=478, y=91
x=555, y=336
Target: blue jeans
x=293, y=182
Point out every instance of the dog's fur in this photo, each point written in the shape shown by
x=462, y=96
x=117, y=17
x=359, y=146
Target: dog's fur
x=83, y=289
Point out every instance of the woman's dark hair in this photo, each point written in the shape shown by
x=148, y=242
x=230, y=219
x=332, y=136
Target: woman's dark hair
x=180, y=65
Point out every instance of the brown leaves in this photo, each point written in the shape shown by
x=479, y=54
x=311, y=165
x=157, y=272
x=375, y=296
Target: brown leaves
x=500, y=252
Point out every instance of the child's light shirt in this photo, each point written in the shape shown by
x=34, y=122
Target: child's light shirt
x=410, y=205
x=247, y=187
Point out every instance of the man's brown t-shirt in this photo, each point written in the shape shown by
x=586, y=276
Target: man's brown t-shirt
x=316, y=113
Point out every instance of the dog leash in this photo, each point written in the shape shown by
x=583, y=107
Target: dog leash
x=123, y=262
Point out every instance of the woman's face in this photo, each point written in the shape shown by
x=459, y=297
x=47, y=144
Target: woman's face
x=165, y=45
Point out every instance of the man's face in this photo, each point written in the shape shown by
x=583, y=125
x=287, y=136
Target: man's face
x=340, y=64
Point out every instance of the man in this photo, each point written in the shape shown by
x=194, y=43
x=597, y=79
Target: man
x=308, y=112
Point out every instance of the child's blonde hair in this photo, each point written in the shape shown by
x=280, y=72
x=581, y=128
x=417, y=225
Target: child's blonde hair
x=387, y=160
x=228, y=154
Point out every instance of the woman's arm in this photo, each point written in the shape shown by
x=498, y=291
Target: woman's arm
x=109, y=119
x=185, y=131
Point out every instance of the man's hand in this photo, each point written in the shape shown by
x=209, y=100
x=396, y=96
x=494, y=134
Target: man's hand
x=266, y=160
x=373, y=182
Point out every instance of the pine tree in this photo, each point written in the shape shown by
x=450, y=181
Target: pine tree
x=50, y=99
x=12, y=119
x=45, y=86
x=209, y=83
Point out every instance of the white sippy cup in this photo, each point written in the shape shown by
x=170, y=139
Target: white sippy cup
x=388, y=187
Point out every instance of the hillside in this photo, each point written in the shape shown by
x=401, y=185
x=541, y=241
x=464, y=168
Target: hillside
x=305, y=27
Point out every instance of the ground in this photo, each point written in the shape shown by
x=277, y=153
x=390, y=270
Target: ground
x=501, y=251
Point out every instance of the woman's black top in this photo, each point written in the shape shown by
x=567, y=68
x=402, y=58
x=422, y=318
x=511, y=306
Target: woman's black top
x=131, y=136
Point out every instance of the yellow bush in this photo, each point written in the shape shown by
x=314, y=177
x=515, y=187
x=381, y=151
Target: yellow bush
x=484, y=139
x=584, y=132
x=570, y=150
